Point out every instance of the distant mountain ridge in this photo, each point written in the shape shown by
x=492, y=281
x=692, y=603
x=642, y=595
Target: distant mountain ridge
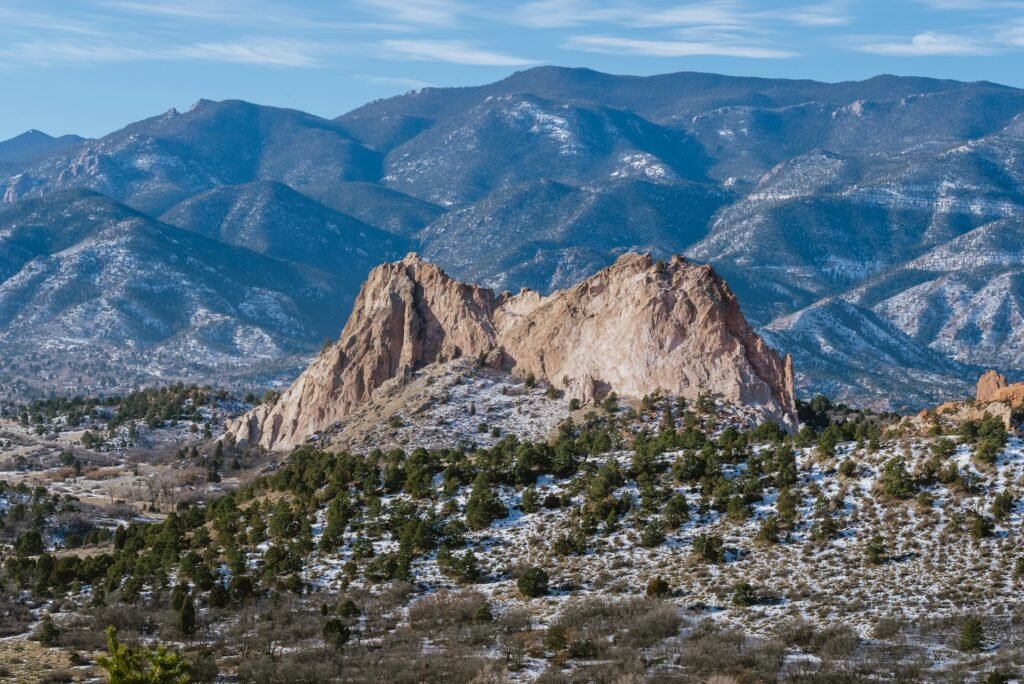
x=32, y=145
x=888, y=208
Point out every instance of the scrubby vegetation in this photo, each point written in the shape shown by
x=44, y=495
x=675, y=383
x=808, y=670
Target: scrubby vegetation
x=659, y=540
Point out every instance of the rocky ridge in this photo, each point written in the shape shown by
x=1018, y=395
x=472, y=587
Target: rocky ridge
x=637, y=326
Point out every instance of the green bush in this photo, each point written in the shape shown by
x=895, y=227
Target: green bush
x=652, y=535
x=709, y=547
x=533, y=583
x=744, y=595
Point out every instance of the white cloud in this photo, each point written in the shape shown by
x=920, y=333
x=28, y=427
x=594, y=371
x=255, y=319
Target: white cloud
x=451, y=51
x=46, y=52
x=734, y=13
x=250, y=13
x=265, y=52
x=1013, y=37
x=44, y=21
x=972, y=5
x=435, y=13
x=396, y=81
x=569, y=13
x=823, y=14
x=929, y=45
x=667, y=48
x=285, y=53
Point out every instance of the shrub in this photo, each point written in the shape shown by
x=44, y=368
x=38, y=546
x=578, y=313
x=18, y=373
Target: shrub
x=677, y=511
x=336, y=633
x=154, y=666
x=981, y=526
x=1002, y=504
x=658, y=588
x=875, y=550
x=533, y=583
x=556, y=638
x=483, y=506
x=709, y=547
x=48, y=635
x=652, y=535
x=768, y=533
x=744, y=595
x=446, y=609
x=896, y=481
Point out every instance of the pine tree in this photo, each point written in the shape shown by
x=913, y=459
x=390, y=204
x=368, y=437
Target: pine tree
x=187, y=617
x=533, y=583
x=484, y=506
x=972, y=635
x=875, y=550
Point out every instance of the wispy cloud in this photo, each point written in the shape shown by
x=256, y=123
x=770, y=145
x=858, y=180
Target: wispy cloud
x=284, y=53
x=570, y=13
x=183, y=9
x=239, y=13
x=736, y=13
x=820, y=15
x=1013, y=36
x=671, y=48
x=396, y=81
x=451, y=51
x=44, y=21
x=929, y=44
x=426, y=13
x=972, y=5
x=46, y=52
x=263, y=52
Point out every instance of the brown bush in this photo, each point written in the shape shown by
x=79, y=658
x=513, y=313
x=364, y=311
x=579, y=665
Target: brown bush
x=445, y=609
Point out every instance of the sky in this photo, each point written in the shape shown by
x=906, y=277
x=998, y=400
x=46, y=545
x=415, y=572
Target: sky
x=91, y=66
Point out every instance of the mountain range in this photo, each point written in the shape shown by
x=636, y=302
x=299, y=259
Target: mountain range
x=871, y=228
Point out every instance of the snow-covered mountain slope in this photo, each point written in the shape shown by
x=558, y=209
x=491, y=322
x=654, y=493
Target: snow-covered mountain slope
x=95, y=294
x=277, y=221
x=798, y=192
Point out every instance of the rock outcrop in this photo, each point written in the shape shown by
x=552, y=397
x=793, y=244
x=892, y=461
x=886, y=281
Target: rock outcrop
x=993, y=387
x=633, y=328
x=988, y=385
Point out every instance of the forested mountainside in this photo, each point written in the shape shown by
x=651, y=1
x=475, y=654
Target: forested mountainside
x=870, y=228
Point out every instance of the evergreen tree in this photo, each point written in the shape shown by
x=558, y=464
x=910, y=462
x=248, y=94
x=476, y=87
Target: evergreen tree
x=484, y=506
x=126, y=665
x=972, y=635
x=875, y=550
x=187, y=617
x=533, y=583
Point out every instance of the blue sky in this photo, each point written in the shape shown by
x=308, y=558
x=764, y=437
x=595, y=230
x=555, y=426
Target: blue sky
x=91, y=66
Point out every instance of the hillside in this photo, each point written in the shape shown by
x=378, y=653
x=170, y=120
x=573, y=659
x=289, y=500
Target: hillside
x=657, y=539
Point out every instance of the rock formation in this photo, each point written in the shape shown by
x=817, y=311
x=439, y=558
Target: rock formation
x=633, y=328
x=988, y=384
x=993, y=387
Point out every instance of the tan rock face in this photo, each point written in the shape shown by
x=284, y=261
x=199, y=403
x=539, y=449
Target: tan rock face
x=993, y=387
x=632, y=328
x=988, y=385
x=1011, y=394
